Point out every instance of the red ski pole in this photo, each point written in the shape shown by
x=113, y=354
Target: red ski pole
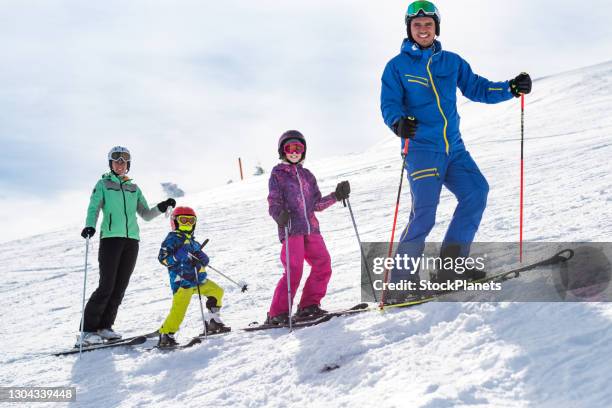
x=399, y=192
x=522, y=178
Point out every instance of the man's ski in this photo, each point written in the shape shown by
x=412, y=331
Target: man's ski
x=131, y=341
x=562, y=256
x=301, y=323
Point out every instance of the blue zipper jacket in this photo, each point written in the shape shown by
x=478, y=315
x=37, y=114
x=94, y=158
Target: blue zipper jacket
x=182, y=270
x=423, y=84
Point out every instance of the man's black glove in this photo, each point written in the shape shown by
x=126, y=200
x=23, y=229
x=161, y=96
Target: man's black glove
x=406, y=127
x=163, y=206
x=88, y=232
x=343, y=189
x=521, y=84
x=283, y=218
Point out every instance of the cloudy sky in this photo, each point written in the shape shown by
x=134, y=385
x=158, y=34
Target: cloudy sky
x=189, y=86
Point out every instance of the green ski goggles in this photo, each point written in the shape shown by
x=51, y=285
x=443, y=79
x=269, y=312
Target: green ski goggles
x=425, y=8
x=422, y=9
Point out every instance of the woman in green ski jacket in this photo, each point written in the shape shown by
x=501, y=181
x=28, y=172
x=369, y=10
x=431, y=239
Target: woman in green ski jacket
x=120, y=200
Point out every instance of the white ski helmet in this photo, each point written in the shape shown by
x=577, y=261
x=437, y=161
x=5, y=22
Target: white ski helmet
x=119, y=153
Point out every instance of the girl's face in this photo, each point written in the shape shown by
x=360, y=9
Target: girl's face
x=294, y=152
x=293, y=157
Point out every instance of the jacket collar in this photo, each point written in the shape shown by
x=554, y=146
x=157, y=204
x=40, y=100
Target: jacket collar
x=284, y=166
x=412, y=49
x=112, y=176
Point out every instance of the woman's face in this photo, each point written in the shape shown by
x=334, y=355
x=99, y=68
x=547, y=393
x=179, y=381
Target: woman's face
x=119, y=167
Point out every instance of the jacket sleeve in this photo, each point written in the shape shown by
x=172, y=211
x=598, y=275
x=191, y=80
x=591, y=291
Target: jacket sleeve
x=275, y=197
x=392, y=96
x=321, y=203
x=167, y=250
x=480, y=89
x=96, y=202
x=142, y=208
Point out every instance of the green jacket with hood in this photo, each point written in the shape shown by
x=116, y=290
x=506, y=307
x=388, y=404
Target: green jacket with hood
x=120, y=200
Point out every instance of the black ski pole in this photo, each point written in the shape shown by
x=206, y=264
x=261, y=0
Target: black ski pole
x=243, y=287
x=363, y=257
x=198, y=286
x=287, y=262
x=83, y=303
x=201, y=307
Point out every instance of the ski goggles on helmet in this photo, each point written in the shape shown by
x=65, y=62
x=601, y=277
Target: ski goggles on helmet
x=294, y=147
x=423, y=9
x=186, y=219
x=118, y=156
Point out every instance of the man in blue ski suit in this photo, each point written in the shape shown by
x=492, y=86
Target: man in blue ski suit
x=419, y=103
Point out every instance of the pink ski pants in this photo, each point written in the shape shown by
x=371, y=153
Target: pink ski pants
x=312, y=249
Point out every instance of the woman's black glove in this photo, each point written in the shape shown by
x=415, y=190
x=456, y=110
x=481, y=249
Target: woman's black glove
x=88, y=232
x=343, y=189
x=163, y=206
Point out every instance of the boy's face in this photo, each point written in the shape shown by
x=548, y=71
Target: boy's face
x=423, y=30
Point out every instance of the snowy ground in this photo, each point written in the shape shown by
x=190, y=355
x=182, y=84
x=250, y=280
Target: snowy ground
x=435, y=355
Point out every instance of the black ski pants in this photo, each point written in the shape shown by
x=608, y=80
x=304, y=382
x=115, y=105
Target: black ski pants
x=117, y=258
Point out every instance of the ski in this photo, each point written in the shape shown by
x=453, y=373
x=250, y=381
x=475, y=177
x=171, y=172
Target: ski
x=131, y=341
x=195, y=340
x=301, y=323
x=561, y=256
x=127, y=341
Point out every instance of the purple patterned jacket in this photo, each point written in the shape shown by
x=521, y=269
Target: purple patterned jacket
x=294, y=188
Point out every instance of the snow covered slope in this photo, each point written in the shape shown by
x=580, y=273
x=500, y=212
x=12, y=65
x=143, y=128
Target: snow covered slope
x=435, y=355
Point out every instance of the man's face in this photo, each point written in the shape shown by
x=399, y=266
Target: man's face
x=423, y=30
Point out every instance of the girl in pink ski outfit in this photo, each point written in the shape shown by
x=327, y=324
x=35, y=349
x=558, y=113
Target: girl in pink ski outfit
x=293, y=198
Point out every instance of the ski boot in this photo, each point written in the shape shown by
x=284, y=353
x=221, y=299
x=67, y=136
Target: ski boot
x=109, y=334
x=166, y=340
x=215, y=324
x=89, y=339
x=309, y=312
x=278, y=320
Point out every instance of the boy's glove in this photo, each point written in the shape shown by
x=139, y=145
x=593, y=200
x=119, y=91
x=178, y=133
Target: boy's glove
x=163, y=206
x=283, y=218
x=406, y=127
x=88, y=232
x=198, y=261
x=521, y=84
x=343, y=189
x=182, y=255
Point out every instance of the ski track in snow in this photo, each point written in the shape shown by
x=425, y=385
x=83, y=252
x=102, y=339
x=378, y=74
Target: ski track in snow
x=434, y=355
